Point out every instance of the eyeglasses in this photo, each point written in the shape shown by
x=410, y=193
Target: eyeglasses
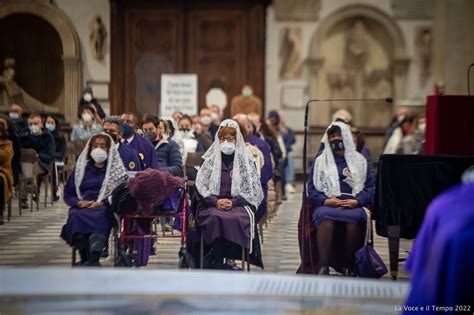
x=228, y=139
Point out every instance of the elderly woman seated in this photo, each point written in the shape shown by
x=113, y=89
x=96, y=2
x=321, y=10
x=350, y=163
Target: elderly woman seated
x=229, y=191
x=99, y=170
x=340, y=185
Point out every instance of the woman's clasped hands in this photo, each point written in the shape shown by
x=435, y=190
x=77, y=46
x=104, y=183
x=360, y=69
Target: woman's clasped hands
x=342, y=204
x=224, y=204
x=90, y=204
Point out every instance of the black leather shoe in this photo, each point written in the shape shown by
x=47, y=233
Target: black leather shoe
x=324, y=270
x=349, y=272
x=24, y=204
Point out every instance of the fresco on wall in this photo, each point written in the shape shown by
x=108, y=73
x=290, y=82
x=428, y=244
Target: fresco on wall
x=357, y=65
x=290, y=53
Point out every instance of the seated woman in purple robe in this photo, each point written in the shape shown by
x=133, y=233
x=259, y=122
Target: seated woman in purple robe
x=99, y=170
x=339, y=186
x=230, y=190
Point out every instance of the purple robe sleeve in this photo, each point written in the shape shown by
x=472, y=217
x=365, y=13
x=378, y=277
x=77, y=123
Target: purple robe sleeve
x=210, y=201
x=366, y=196
x=315, y=196
x=70, y=196
x=238, y=201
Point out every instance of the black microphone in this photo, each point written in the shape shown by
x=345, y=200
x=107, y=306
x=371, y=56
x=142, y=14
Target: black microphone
x=388, y=99
x=468, y=81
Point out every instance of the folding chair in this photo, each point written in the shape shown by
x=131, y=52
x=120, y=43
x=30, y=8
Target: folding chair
x=28, y=182
x=245, y=256
x=9, y=208
x=69, y=164
x=193, y=160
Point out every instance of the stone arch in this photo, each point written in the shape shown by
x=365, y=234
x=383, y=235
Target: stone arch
x=70, y=44
x=398, y=53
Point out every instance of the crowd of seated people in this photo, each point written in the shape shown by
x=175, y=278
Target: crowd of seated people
x=244, y=160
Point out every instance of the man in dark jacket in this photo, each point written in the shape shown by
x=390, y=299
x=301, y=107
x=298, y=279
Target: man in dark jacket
x=18, y=124
x=113, y=126
x=40, y=140
x=168, y=155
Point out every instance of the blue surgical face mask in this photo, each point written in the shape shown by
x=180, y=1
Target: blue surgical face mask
x=51, y=127
x=127, y=131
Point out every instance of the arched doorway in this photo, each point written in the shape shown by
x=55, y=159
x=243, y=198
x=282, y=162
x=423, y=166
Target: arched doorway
x=39, y=67
x=71, y=61
x=357, y=52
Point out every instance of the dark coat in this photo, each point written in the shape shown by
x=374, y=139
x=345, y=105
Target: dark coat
x=168, y=157
x=43, y=145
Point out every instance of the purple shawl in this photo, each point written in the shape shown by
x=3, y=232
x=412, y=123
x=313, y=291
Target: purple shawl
x=151, y=188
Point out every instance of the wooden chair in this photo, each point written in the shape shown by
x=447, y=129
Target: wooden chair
x=79, y=145
x=193, y=160
x=28, y=182
x=70, y=162
x=9, y=208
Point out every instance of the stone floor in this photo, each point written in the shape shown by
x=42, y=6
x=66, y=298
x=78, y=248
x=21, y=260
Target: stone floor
x=33, y=240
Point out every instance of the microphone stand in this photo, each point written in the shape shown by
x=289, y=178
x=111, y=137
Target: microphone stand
x=305, y=148
x=468, y=81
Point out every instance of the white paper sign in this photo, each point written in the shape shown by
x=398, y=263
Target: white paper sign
x=178, y=93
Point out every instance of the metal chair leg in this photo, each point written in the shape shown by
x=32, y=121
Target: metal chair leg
x=73, y=258
x=201, y=252
x=248, y=260
x=9, y=207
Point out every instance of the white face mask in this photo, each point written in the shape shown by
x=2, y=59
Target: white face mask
x=214, y=116
x=98, y=155
x=13, y=115
x=227, y=148
x=206, y=120
x=88, y=97
x=186, y=134
x=87, y=117
x=422, y=127
x=35, y=129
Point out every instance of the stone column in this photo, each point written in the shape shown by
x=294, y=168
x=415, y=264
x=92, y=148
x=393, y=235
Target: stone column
x=72, y=87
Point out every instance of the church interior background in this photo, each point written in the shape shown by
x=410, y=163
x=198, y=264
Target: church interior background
x=289, y=51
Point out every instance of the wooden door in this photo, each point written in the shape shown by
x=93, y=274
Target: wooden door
x=217, y=50
x=153, y=47
x=222, y=42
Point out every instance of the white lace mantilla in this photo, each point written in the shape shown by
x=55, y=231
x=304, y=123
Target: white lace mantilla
x=115, y=173
x=326, y=177
x=245, y=176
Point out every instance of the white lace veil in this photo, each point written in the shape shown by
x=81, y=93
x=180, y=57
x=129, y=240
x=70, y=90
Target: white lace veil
x=326, y=177
x=115, y=173
x=245, y=176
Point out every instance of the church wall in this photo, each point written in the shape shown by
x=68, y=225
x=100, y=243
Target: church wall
x=95, y=73
x=299, y=89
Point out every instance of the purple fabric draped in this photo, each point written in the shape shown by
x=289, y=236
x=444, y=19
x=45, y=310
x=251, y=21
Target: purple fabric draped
x=85, y=221
x=442, y=260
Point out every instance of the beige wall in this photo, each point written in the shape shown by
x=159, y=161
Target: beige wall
x=453, y=44
x=414, y=93
x=81, y=13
